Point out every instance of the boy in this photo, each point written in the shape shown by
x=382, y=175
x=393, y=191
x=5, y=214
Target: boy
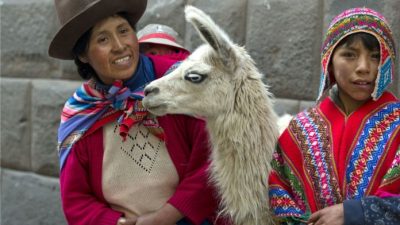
x=161, y=43
x=339, y=162
x=157, y=39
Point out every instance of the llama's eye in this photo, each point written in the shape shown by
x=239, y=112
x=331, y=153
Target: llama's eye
x=195, y=78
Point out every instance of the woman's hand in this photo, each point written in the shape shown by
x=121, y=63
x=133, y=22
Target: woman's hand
x=332, y=215
x=149, y=219
x=126, y=221
x=167, y=215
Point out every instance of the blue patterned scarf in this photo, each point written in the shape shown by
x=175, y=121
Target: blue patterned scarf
x=94, y=100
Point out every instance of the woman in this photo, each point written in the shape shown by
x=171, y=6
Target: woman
x=120, y=165
x=339, y=162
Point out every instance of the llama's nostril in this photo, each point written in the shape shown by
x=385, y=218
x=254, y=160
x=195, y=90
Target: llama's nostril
x=149, y=90
x=146, y=91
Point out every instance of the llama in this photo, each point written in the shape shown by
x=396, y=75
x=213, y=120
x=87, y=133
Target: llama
x=220, y=83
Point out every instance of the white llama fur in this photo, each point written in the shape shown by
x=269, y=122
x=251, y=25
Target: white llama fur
x=220, y=83
x=283, y=122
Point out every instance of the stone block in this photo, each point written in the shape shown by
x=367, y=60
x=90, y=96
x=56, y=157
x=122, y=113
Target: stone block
x=391, y=11
x=48, y=98
x=305, y=105
x=15, y=123
x=26, y=30
x=229, y=15
x=284, y=38
x=69, y=70
x=27, y=198
x=289, y=106
x=167, y=12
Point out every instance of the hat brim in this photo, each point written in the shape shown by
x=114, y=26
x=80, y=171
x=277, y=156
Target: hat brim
x=65, y=39
x=162, y=41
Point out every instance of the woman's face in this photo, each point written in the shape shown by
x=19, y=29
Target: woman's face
x=355, y=69
x=113, y=50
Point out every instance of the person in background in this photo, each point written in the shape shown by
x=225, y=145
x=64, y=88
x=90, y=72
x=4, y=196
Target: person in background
x=158, y=39
x=162, y=44
x=339, y=162
x=161, y=41
x=119, y=164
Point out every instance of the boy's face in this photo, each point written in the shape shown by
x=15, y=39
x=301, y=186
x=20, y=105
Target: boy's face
x=355, y=69
x=158, y=49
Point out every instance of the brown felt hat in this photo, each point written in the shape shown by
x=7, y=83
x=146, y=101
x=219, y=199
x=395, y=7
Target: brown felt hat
x=78, y=16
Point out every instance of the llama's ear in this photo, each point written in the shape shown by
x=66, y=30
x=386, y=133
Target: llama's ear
x=213, y=35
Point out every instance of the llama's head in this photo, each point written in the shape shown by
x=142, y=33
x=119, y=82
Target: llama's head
x=204, y=84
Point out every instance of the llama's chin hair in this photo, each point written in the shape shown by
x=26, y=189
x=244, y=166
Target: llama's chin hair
x=156, y=113
x=159, y=110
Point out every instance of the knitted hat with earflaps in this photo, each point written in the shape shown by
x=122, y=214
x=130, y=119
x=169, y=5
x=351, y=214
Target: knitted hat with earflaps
x=354, y=21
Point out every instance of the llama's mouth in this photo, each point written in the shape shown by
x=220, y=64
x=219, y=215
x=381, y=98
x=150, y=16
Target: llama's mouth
x=158, y=110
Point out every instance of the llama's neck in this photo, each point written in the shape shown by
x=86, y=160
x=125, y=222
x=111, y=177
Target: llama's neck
x=249, y=124
x=243, y=135
x=243, y=141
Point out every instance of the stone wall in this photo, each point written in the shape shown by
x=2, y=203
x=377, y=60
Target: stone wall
x=283, y=36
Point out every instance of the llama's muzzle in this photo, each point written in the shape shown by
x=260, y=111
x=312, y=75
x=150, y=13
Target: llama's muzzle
x=151, y=90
